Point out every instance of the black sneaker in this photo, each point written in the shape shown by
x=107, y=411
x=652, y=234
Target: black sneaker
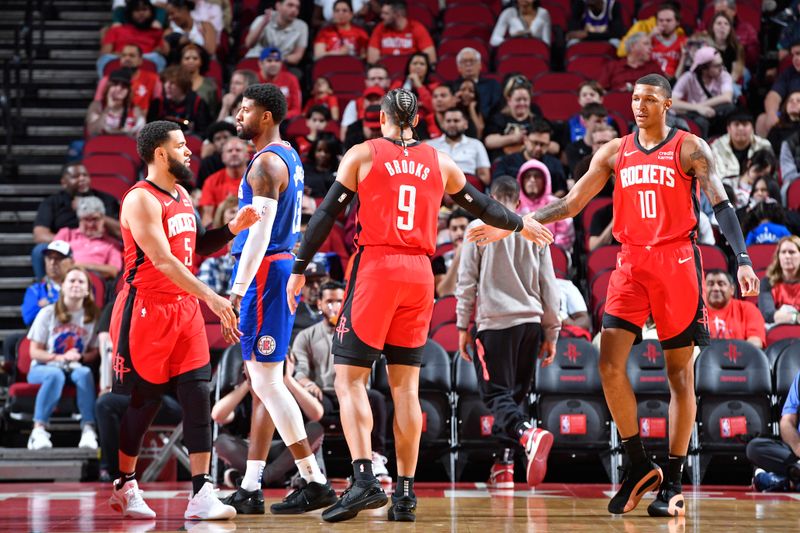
x=357, y=497
x=309, y=497
x=246, y=501
x=636, y=482
x=403, y=509
x=668, y=502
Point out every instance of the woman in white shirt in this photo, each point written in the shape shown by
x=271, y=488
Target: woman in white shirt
x=527, y=19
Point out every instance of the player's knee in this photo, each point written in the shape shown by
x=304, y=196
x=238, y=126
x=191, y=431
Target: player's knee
x=195, y=401
x=681, y=378
x=611, y=369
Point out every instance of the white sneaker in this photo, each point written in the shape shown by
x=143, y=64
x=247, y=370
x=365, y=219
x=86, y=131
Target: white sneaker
x=39, y=439
x=379, y=468
x=128, y=501
x=206, y=506
x=88, y=438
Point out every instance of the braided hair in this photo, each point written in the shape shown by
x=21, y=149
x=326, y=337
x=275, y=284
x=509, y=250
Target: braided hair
x=401, y=106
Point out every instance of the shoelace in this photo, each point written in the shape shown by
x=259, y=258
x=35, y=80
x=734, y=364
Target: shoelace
x=134, y=495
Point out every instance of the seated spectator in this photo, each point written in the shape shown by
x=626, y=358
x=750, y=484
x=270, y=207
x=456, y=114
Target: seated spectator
x=139, y=31
x=762, y=164
x=217, y=135
x=745, y=31
x=91, y=248
x=184, y=28
x=723, y=38
x=573, y=313
x=765, y=189
x=732, y=150
x=602, y=134
x=468, y=101
x=180, y=103
x=115, y=113
x=145, y=85
x=322, y=95
x=779, y=300
x=589, y=92
x=442, y=99
x=445, y=266
x=218, y=13
x=526, y=19
x=62, y=339
x=601, y=228
x=417, y=80
x=377, y=77
x=666, y=37
x=621, y=75
x=595, y=20
x=791, y=32
x=505, y=131
x=317, y=119
x=120, y=14
x=592, y=116
x=729, y=318
x=396, y=34
x=215, y=271
x=705, y=93
x=535, y=145
x=788, y=81
x=788, y=123
x=224, y=183
x=279, y=28
x=308, y=312
x=468, y=153
x=240, y=80
x=535, y=186
x=341, y=37
x=777, y=461
x=490, y=94
x=364, y=129
x=690, y=47
x=324, y=11
x=315, y=372
x=765, y=223
x=195, y=61
x=321, y=165
x=57, y=261
x=271, y=71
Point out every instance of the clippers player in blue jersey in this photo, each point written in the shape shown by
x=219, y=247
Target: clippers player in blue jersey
x=273, y=184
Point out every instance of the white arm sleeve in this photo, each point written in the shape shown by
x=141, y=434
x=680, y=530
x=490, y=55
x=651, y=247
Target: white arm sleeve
x=256, y=245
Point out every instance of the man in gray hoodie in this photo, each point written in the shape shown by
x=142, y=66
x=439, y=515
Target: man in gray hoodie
x=511, y=286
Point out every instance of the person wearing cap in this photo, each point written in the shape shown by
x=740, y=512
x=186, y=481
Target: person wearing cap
x=92, y=249
x=705, y=93
x=271, y=70
x=623, y=73
x=369, y=127
x=280, y=28
x=308, y=313
x=115, y=112
x=732, y=150
x=145, y=84
x=57, y=260
x=397, y=34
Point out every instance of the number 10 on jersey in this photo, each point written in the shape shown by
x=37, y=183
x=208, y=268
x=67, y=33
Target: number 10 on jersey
x=647, y=202
x=406, y=202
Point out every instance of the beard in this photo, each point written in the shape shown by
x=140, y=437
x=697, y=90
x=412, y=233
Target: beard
x=451, y=134
x=180, y=171
x=246, y=133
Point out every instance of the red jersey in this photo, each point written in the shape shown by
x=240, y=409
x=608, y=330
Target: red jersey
x=148, y=39
x=180, y=227
x=354, y=38
x=400, y=197
x=391, y=42
x=668, y=56
x=737, y=320
x=655, y=202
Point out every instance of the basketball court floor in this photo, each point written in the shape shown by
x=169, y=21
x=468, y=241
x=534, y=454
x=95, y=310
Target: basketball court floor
x=552, y=508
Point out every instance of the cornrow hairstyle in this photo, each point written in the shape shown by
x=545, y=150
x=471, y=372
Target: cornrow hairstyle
x=401, y=106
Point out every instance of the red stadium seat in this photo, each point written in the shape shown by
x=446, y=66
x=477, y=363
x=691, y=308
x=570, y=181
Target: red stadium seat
x=761, y=255
x=560, y=260
x=431, y=5
x=522, y=46
x=347, y=82
x=325, y=66
x=529, y=66
x=396, y=65
x=622, y=123
x=600, y=287
x=559, y=12
x=111, y=144
x=591, y=48
x=784, y=331
x=113, y=184
x=421, y=14
x=463, y=29
x=248, y=63
x=215, y=73
x=446, y=335
x=601, y=259
x=713, y=257
x=793, y=196
x=454, y=46
x=444, y=310
x=112, y=164
x=469, y=13
x=557, y=106
x=620, y=102
x=557, y=82
x=195, y=144
x=591, y=67
x=98, y=289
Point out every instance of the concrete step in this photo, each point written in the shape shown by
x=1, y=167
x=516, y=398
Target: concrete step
x=23, y=189
x=16, y=260
x=16, y=238
x=40, y=169
x=65, y=77
x=75, y=132
x=10, y=311
x=17, y=216
x=87, y=55
x=52, y=113
x=16, y=283
x=36, y=149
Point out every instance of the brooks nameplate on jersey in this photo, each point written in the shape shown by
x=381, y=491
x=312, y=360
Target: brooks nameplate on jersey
x=407, y=166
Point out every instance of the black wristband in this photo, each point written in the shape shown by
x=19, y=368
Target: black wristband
x=299, y=266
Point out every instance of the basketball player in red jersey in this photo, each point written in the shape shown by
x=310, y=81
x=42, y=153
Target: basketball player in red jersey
x=389, y=297
x=658, y=170
x=157, y=327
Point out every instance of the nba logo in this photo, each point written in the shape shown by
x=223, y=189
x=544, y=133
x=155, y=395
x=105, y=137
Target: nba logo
x=645, y=427
x=486, y=425
x=565, y=425
x=725, y=428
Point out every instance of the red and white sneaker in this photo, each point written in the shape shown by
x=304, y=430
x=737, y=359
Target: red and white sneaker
x=128, y=501
x=537, y=443
x=501, y=476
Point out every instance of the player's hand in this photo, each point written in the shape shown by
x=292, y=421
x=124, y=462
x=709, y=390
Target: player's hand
x=464, y=340
x=236, y=302
x=484, y=234
x=228, y=316
x=293, y=288
x=246, y=217
x=536, y=232
x=547, y=353
x=748, y=281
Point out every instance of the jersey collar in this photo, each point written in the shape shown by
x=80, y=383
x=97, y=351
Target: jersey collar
x=657, y=147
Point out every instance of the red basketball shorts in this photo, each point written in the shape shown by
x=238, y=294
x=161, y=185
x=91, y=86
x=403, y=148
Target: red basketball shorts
x=665, y=281
x=157, y=337
x=387, y=308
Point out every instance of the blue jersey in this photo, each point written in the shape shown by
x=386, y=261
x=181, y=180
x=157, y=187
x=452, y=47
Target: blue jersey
x=286, y=228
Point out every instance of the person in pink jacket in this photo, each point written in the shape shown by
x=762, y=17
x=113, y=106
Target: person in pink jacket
x=535, y=185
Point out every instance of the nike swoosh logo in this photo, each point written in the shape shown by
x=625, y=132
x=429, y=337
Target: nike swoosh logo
x=628, y=154
x=682, y=261
x=167, y=204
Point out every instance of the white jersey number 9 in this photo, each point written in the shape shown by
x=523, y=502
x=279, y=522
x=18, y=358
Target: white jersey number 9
x=405, y=204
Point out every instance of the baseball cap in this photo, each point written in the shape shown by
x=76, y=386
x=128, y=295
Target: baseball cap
x=702, y=56
x=738, y=115
x=317, y=268
x=372, y=117
x=373, y=92
x=122, y=75
x=270, y=51
x=61, y=247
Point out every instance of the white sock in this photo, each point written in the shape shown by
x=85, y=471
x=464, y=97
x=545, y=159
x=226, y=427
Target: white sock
x=309, y=470
x=252, y=475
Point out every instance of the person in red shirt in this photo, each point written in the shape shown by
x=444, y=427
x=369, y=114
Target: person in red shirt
x=272, y=71
x=397, y=34
x=729, y=318
x=138, y=31
x=317, y=118
x=145, y=85
x=620, y=75
x=341, y=38
x=666, y=40
x=225, y=182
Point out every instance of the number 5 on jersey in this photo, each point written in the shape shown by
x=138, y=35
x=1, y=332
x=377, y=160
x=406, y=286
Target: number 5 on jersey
x=406, y=201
